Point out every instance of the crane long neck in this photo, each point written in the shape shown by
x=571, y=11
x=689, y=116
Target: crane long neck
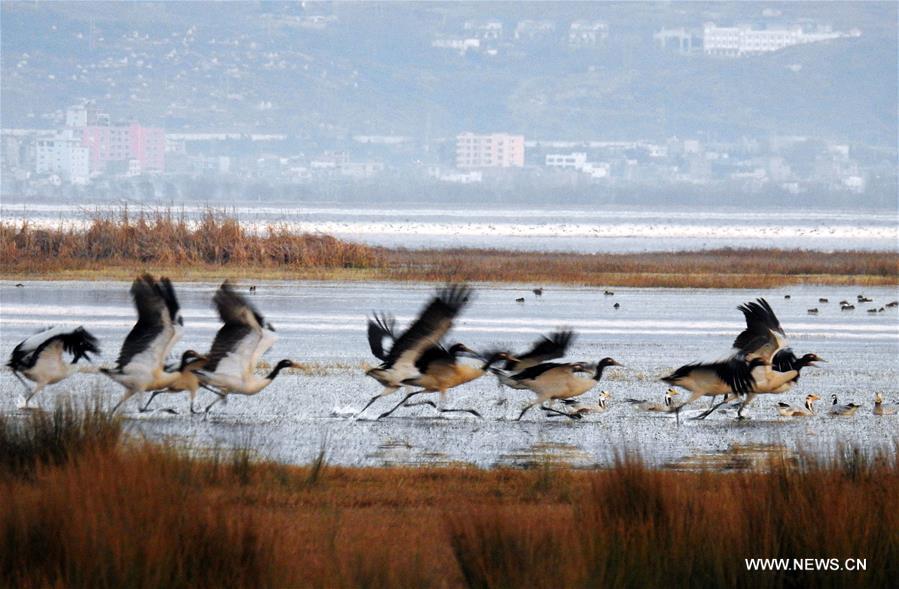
x=274, y=373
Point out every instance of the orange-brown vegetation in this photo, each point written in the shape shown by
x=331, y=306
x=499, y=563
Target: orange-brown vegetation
x=123, y=513
x=118, y=244
x=164, y=238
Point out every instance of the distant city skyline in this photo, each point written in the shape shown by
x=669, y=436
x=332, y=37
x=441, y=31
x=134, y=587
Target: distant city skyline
x=753, y=98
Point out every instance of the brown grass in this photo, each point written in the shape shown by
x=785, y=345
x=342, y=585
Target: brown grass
x=165, y=238
x=139, y=515
x=118, y=245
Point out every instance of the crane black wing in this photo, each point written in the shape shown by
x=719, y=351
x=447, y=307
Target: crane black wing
x=535, y=371
x=379, y=328
x=763, y=335
x=79, y=342
x=240, y=320
x=546, y=348
x=150, y=324
x=434, y=355
x=430, y=327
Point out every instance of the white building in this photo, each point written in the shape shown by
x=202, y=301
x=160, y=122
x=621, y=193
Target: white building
x=460, y=45
x=491, y=30
x=534, y=30
x=742, y=40
x=575, y=160
x=586, y=33
x=63, y=154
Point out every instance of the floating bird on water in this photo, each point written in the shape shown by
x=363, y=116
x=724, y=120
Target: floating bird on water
x=538, y=292
x=398, y=364
x=579, y=409
x=839, y=410
x=823, y=300
x=884, y=409
x=788, y=410
x=608, y=293
x=239, y=344
x=813, y=311
x=39, y=357
x=892, y=304
x=519, y=300
x=141, y=363
x=787, y=297
x=665, y=407
x=847, y=307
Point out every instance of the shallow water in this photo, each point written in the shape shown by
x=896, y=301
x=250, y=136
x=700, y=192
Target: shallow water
x=323, y=325
x=576, y=228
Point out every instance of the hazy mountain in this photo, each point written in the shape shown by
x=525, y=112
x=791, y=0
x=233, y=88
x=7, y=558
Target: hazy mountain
x=331, y=70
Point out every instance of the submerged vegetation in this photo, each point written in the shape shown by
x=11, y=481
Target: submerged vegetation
x=119, y=244
x=85, y=506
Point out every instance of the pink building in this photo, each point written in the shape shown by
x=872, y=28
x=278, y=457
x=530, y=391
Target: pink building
x=145, y=145
x=137, y=148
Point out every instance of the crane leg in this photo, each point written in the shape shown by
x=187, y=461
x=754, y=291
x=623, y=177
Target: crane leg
x=400, y=404
x=384, y=393
x=125, y=397
x=144, y=409
x=710, y=410
x=552, y=412
x=24, y=384
x=472, y=411
x=525, y=410
x=743, y=405
x=35, y=391
x=208, y=407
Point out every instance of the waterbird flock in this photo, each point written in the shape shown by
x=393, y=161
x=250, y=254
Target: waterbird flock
x=418, y=359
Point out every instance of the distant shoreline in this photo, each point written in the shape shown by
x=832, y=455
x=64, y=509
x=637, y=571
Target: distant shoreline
x=118, y=245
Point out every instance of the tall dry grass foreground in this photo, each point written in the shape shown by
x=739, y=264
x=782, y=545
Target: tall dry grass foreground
x=115, y=512
x=118, y=244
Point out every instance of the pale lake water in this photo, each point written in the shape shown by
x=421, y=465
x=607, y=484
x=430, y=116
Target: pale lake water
x=586, y=229
x=323, y=325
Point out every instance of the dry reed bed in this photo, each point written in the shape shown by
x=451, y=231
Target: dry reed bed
x=138, y=515
x=721, y=268
x=165, y=238
x=119, y=244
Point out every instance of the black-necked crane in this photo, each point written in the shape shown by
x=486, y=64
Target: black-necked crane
x=838, y=410
x=398, y=363
x=440, y=370
x=230, y=367
x=666, y=406
x=787, y=410
x=141, y=363
x=749, y=370
x=553, y=381
x=40, y=357
x=187, y=380
x=881, y=408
